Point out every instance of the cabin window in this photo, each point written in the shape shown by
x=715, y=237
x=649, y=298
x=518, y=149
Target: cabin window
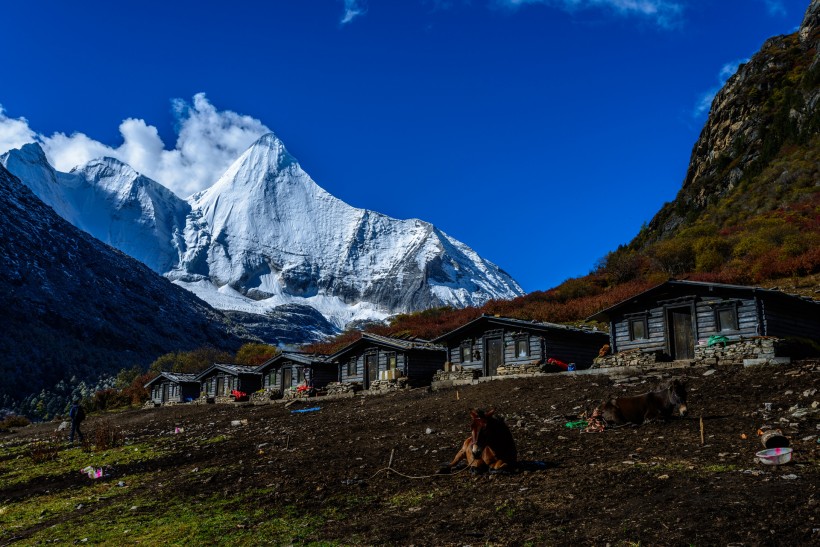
x=392, y=361
x=522, y=346
x=300, y=375
x=466, y=352
x=726, y=319
x=351, y=368
x=637, y=328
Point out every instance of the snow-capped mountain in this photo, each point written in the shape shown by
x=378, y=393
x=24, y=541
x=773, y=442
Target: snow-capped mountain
x=266, y=235
x=110, y=201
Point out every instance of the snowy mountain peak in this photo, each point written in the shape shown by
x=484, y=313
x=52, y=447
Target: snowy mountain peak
x=265, y=235
x=30, y=165
x=107, y=167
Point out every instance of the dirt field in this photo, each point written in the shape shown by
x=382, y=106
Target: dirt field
x=318, y=477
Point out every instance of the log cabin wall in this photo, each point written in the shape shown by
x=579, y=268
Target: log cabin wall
x=645, y=322
x=422, y=365
x=796, y=319
x=248, y=382
x=416, y=360
x=523, y=343
x=706, y=312
x=321, y=374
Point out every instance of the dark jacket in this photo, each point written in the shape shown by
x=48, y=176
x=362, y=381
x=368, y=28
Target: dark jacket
x=77, y=413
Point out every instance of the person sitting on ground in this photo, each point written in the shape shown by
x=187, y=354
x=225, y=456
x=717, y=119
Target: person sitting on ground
x=77, y=415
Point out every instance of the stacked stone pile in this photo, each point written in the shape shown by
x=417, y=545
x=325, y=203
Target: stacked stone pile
x=635, y=358
x=761, y=349
x=533, y=367
x=456, y=375
x=388, y=385
x=341, y=388
x=265, y=396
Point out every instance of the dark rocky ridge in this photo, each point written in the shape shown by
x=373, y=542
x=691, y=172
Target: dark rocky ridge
x=73, y=306
x=772, y=100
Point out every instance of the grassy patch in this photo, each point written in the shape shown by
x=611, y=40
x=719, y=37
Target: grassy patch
x=42, y=509
x=217, y=439
x=413, y=498
x=212, y=520
x=21, y=468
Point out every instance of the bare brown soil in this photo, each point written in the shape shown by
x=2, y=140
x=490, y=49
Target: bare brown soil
x=655, y=484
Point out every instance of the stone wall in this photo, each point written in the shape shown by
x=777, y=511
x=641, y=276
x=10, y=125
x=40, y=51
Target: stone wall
x=456, y=375
x=381, y=386
x=761, y=350
x=632, y=358
x=342, y=388
x=533, y=367
x=265, y=396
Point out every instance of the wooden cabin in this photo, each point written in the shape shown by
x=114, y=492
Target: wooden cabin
x=172, y=387
x=676, y=319
x=290, y=369
x=364, y=360
x=221, y=380
x=501, y=345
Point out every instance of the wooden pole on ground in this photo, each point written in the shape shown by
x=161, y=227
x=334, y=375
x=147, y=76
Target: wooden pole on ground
x=702, y=440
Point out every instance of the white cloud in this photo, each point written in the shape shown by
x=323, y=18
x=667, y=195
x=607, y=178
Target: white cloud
x=14, y=133
x=353, y=9
x=704, y=103
x=665, y=13
x=209, y=140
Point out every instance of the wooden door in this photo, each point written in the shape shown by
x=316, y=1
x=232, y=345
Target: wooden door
x=682, y=336
x=164, y=393
x=494, y=356
x=287, y=378
x=220, y=386
x=371, y=368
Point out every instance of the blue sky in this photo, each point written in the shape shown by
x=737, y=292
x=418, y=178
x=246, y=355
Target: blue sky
x=542, y=133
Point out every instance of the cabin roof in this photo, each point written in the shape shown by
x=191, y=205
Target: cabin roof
x=303, y=358
x=678, y=285
x=399, y=344
x=233, y=370
x=516, y=323
x=175, y=377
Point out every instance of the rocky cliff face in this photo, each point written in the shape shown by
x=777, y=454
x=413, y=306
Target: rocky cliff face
x=772, y=100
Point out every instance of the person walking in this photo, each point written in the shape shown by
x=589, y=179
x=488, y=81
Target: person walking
x=77, y=415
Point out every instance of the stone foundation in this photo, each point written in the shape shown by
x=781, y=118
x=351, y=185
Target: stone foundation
x=633, y=358
x=456, y=375
x=265, y=396
x=533, y=367
x=342, y=388
x=757, y=351
x=381, y=386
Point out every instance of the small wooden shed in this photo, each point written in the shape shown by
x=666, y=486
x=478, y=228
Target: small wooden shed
x=290, y=369
x=172, y=387
x=493, y=345
x=364, y=360
x=677, y=317
x=220, y=380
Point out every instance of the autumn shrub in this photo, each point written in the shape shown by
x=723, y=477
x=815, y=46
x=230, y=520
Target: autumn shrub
x=14, y=421
x=255, y=354
x=673, y=256
x=190, y=362
x=106, y=399
x=107, y=435
x=46, y=449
